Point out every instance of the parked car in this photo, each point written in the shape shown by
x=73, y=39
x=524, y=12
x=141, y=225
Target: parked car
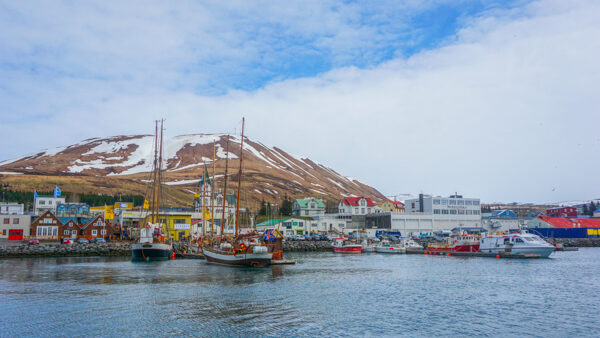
x=34, y=241
x=98, y=240
x=67, y=241
x=316, y=237
x=299, y=238
x=83, y=241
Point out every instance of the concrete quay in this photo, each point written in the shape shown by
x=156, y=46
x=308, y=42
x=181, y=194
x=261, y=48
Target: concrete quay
x=66, y=250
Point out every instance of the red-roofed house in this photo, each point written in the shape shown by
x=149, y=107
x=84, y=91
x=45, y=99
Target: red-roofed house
x=562, y=212
x=564, y=223
x=356, y=206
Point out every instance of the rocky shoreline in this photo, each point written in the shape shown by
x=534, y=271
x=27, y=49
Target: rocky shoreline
x=66, y=250
x=124, y=248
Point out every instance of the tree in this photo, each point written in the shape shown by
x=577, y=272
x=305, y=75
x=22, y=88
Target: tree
x=593, y=207
x=585, y=209
x=263, y=208
x=286, y=207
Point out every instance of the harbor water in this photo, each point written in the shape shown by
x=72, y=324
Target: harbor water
x=323, y=294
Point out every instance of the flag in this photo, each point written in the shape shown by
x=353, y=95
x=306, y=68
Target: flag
x=108, y=212
x=56, y=191
x=146, y=204
x=269, y=236
x=205, y=214
x=35, y=195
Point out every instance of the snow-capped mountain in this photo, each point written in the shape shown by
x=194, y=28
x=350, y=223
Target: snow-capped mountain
x=269, y=172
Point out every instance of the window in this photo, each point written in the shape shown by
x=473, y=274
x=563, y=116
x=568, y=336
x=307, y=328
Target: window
x=94, y=232
x=15, y=221
x=103, y=232
x=437, y=211
x=436, y=201
x=368, y=210
x=444, y=202
x=341, y=225
x=6, y=220
x=74, y=233
x=452, y=202
x=306, y=212
x=460, y=202
x=468, y=202
x=3, y=232
x=54, y=231
x=314, y=225
x=356, y=210
x=42, y=202
x=461, y=212
x=300, y=224
x=66, y=232
x=49, y=202
x=476, y=212
x=312, y=206
x=445, y=211
x=452, y=212
x=475, y=202
x=362, y=210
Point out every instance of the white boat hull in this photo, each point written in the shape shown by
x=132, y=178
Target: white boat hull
x=390, y=249
x=216, y=256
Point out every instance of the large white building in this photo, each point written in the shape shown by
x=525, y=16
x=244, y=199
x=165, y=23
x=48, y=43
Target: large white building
x=47, y=203
x=427, y=214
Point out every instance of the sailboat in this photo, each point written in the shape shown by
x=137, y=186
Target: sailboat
x=241, y=249
x=150, y=248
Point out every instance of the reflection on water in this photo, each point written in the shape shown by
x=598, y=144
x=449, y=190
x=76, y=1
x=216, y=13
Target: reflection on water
x=323, y=294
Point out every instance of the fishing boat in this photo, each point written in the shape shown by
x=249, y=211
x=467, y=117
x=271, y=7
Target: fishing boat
x=152, y=245
x=240, y=249
x=521, y=243
x=343, y=246
x=367, y=246
x=385, y=246
x=461, y=242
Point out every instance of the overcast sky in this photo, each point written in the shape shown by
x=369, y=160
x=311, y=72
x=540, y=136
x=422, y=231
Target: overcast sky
x=492, y=100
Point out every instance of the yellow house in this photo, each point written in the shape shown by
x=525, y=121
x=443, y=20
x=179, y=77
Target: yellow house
x=392, y=206
x=176, y=226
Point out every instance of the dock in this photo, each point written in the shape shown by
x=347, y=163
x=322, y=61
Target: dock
x=471, y=254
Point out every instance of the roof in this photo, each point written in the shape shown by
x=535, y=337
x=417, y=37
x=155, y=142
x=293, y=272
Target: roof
x=303, y=202
x=564, y=222
x=503, y=213
x=353, y=201
x=273, y=221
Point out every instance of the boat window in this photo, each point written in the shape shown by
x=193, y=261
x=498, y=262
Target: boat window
x=518, y=240
x=529, y=239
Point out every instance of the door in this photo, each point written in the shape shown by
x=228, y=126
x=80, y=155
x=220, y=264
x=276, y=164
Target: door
x=15, y=235
x=74, y=234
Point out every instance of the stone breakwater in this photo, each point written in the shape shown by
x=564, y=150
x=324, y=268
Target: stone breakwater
x=66, y=250
x=301, y=246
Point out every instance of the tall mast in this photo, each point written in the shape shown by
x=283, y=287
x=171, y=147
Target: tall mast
x=154, y=216
x=225, y=184
x=158, y=174
x=212, y=194
x=202, y=200
x=237, y=203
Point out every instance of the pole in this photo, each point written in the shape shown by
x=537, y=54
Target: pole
x=225, y=184
x=212, y=194
x=237, y=208
x=158, y=175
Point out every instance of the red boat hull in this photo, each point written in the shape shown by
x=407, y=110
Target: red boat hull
x=348, y=249
x=456, y=248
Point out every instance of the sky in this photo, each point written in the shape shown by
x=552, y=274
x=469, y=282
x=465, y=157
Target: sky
x=492, y=99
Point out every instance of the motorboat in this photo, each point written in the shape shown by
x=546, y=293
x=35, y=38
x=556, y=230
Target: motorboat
x=385, y=246
x=410, y=244
x=367, y=246
x=341, y=245
x=461, y=242
x=521, y=243
x=148, y=250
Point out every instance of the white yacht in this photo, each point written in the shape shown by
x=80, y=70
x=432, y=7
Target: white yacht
x=521, y=243
x=410, y=244
x=385, y=246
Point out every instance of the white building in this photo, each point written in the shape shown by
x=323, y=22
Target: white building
x=8, y=208
x=452, y=205
x=47, y=203
x=288, y=226
x=356, y=206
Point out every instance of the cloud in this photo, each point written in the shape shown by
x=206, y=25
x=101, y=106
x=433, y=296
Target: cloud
x=503, y=109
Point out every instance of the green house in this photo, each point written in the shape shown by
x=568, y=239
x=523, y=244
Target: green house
x=308, y=207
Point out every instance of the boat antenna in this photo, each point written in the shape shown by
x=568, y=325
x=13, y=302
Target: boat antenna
x=237, y=208
x=225, y=184
x=159, y=175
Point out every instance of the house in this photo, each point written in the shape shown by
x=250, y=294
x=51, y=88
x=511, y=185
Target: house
x=563, y=222
x=8, y=208
x=503, y=213
x=69, y=229
x=46, y=226
x=392, y=206
x=15, y=227
x=97, y=227
x=308, y=207
x=562, y=212
x=72, y=209
x=356, y=206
